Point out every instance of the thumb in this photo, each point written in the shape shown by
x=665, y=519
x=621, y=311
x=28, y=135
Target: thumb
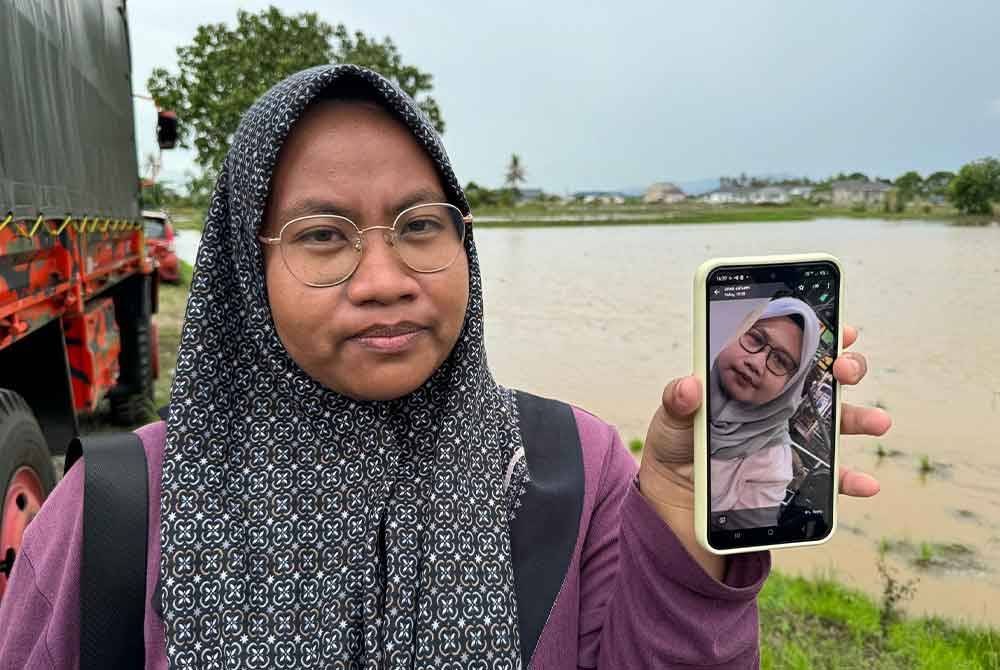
x=681, y=399
x=670, y=432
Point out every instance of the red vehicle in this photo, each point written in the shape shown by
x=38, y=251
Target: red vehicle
x=160, y=245
x=77, y=288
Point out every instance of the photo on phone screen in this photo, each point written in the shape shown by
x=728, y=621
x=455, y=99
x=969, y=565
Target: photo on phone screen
x=772, y=340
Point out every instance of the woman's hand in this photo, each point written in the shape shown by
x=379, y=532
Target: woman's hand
x=666, y=472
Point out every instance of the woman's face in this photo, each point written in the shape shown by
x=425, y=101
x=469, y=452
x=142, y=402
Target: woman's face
x=745, y=377
x=353, y=159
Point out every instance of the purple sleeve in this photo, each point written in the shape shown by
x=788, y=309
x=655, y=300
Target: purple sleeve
x=40, y=610
x=645, y=602
x=39, y=613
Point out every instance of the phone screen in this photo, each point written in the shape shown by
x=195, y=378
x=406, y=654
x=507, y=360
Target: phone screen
x=772, y=339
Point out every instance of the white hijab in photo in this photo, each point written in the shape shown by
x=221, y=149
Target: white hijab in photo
x=738, y=428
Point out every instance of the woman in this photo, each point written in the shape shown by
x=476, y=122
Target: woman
x=755, y=387
x=334, y=461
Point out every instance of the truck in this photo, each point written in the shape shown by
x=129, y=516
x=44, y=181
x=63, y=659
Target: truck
x=78, y=290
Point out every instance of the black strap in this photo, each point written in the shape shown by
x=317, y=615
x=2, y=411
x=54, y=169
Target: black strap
x=115, y=529
x=544, y=531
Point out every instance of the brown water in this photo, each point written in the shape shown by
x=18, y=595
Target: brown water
x=600, y=317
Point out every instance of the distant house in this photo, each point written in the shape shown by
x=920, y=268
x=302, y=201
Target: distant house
x=857, y=192
x=743, y=195
x=663, y=192
x=728, y=195
x=600, y=197
x=800, y=191
x=529, y=194
x=769, y=195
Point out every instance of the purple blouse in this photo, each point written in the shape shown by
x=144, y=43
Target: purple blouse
x=632, y=596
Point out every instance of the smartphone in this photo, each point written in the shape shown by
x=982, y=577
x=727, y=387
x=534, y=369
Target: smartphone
x=767, y=331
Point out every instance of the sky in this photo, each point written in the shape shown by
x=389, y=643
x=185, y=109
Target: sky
x=621, y=95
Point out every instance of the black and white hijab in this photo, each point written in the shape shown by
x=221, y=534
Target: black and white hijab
x=300, y=528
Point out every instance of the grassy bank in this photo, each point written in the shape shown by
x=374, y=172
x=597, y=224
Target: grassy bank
x=554, y=215
x=173, y=301
x=818, y=623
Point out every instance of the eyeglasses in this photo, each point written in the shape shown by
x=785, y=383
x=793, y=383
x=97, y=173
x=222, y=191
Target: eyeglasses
x=778, y=361
x=325, y=249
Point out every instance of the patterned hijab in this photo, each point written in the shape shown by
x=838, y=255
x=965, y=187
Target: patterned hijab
x=301, y=528
x=739, y=428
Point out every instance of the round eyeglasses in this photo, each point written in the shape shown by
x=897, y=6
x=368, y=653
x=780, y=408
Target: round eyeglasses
x=778, y=361
x=325, y=249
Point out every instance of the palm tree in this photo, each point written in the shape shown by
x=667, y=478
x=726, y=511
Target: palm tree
x=515, y=171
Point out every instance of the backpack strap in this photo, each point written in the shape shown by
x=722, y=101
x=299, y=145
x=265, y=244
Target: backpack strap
x=544, y=531
x=115, y=530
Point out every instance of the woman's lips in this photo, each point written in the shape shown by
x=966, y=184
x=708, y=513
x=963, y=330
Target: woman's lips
x=393, y=341
x=743, y=379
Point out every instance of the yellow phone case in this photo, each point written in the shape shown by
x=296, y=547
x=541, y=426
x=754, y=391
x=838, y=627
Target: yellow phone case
x=701, y=497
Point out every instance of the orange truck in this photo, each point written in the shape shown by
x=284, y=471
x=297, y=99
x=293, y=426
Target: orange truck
x=77, y=289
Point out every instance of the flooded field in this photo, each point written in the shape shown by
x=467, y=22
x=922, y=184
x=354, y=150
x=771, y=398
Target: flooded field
x=601, y=317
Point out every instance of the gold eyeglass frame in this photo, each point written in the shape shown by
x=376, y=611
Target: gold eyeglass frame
x=467, y=220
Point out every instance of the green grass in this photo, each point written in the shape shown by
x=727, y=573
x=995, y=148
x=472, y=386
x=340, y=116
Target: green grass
x=186, y=218
x=537, y=215
x=173, y=301
x=818, y=623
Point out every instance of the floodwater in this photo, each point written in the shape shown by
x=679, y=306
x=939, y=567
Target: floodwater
x=601, y=317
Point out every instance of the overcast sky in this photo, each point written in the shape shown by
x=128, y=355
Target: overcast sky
x=619, y=95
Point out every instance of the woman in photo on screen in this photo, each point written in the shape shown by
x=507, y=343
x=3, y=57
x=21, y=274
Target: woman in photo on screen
x=755, y=387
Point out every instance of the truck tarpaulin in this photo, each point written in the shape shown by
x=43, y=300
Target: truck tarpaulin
x=67, y=144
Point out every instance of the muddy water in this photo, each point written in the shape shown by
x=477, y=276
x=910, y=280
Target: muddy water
x=600, y=317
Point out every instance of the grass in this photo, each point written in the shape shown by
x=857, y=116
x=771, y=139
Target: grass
x=535, y=215
x=173, y=301
x=926, y=466
x=818, y=623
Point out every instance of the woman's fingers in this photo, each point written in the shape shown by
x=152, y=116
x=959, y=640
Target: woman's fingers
x=856, y=420
x=850, y=368
x=850, y=336
x=857, y=484
x=681, y=398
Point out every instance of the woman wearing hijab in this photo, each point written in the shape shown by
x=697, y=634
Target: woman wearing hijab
x=755, y=387
x=331, y=487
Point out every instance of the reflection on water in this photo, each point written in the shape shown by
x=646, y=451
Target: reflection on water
x=601, y=317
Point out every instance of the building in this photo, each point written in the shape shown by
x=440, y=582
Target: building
x=769, y=195
x=600, y=197
x=663, y=192
x=529, y=194
x=856, y=192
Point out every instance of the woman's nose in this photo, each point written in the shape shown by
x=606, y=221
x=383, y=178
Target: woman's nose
x=381, y=275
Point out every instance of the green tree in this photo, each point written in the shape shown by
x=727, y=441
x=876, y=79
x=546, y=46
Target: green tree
x=976, y=186
x=515, y=172
x=223, y=70
x=910, y=185
x=937, y=183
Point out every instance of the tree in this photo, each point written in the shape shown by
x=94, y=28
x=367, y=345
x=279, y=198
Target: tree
x=976, y=186
x=515, y=172
x=909, y=184
x=223, y=70
x=937, y=183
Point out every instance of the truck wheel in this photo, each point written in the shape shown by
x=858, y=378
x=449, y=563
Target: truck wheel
x=26, y=474
x=135, y=406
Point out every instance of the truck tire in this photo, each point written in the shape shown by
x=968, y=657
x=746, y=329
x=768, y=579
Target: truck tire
x=135, y=406
x=26, y=474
